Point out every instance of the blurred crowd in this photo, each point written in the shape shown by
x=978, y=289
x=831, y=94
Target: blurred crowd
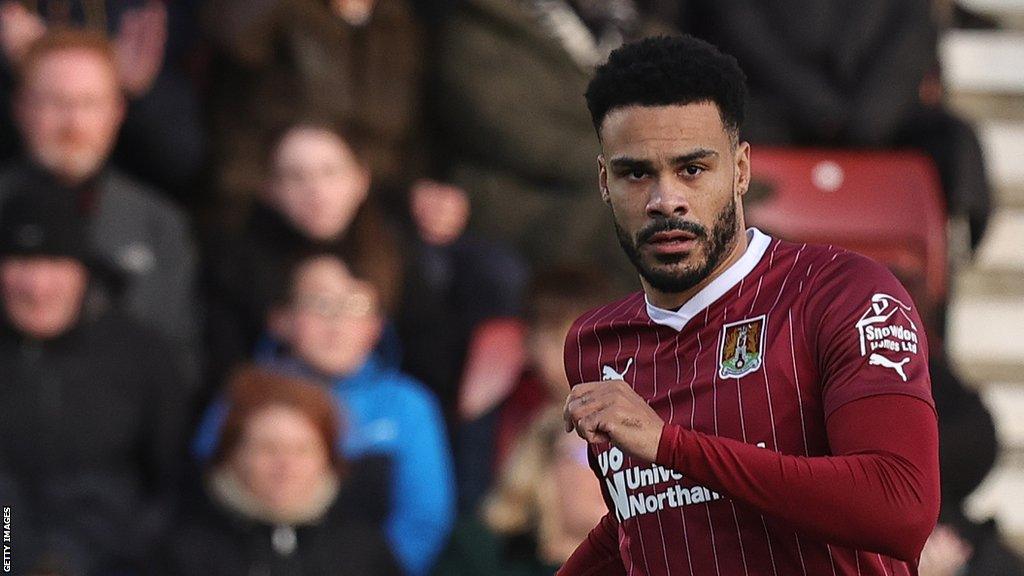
x=284, y=283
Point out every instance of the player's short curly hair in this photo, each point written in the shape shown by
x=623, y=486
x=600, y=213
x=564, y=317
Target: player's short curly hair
x=666, y=70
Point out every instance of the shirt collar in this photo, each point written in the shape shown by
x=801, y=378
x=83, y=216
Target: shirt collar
x=757, y=245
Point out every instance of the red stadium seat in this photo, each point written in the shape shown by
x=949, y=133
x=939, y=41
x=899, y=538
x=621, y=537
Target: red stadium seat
x=494, y=362
x=886, y=205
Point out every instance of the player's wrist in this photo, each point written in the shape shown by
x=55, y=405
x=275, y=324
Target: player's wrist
x=666, y=444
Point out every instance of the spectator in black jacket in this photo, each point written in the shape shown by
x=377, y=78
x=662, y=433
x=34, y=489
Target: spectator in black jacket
x=279, y=500
x=69, y=111
x=91, y=406
x=864, y=74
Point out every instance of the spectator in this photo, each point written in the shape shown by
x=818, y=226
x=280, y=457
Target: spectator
x=162, y=140
x=526, y=151
x=454, y=280
x=92, y=406
x=839, y=74
x=968, y=447
x=278, y=498
x=320, y=196
x=555, y=299
x=69, y=107
x=354, y=62
x=328, y=330
x=545, y=503
x=317, y=197
x=960, y=547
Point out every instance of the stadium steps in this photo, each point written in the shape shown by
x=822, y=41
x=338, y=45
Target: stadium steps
x=983, y=61
x=984, y=76
x=1003, y=145
x=999, y=497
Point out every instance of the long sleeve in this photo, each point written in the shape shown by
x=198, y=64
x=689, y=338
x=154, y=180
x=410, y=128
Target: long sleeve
x=885, y=451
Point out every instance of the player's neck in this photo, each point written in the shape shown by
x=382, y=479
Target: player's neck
x=674, y=300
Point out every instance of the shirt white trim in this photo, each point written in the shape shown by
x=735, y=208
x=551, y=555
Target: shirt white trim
x=757, y=245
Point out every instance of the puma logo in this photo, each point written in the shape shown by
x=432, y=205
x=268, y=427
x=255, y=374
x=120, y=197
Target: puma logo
x=609, y=373
x=879, y=360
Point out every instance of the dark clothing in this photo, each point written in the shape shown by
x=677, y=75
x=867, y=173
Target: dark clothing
x=959, y=159
x=280, y=61
x=968, y=445
x=991, y=556
x=525, y=150
x=436, y=295
x=835, y=70
x=92, y=438
x=837, y=73
x=249, y=271
x=212, y=540
x=483, y=445
x=447, y=292
x=476, y=549
x=245, y=273
x=149, y=240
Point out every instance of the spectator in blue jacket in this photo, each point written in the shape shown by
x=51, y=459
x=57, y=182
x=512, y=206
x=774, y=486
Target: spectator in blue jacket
x=327, y=331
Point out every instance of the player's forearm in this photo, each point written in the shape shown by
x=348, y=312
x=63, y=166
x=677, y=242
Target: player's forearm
x=882, y=498
x=598, y=555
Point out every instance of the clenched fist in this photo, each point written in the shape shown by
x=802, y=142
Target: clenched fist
x=610, y=411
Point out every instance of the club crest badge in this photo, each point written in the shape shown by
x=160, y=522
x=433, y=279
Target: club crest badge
x=742, y=347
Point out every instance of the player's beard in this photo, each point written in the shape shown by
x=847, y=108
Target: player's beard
x=715, y=245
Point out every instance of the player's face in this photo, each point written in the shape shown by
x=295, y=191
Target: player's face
x=674, y=182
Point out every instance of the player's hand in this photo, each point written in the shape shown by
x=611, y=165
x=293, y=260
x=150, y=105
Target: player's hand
x=610, y=411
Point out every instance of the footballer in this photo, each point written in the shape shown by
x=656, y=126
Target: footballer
x=760, y=407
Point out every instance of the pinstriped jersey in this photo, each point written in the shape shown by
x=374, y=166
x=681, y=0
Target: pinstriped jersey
x=763, y=354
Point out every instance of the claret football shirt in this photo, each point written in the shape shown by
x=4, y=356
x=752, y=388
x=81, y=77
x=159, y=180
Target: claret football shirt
x=764, y=354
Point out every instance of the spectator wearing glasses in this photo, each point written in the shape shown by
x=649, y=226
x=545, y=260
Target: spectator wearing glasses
x=327, y=329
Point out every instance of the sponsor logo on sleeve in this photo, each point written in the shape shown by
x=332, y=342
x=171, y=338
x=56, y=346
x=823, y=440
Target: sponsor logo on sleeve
x=888, y=335
x=742, y=347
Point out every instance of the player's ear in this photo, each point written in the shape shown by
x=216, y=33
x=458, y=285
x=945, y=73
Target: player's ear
x=602, y=178
x=742, y=171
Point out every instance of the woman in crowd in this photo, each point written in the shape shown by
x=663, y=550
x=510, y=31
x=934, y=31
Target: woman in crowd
x=544, y=504
x=328, y=328
x=279, y=500
x=317, y=195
